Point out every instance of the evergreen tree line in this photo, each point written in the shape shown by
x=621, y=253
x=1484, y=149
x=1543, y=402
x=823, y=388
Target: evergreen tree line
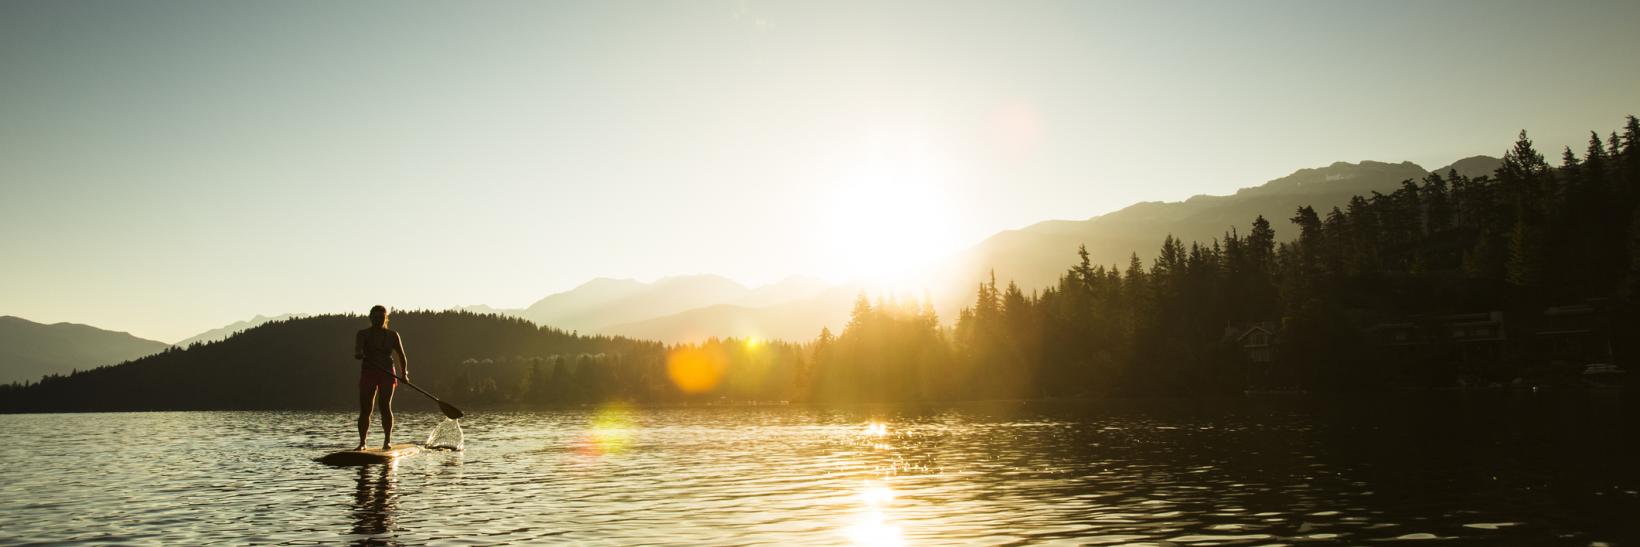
x=1529, y=236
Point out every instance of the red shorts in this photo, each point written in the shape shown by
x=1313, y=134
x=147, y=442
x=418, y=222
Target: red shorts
x=371, y=377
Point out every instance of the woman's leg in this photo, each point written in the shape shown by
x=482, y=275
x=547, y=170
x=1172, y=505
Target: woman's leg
x=367, y=398
x=384, y=397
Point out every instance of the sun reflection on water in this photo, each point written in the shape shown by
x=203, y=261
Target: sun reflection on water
x=871, y=526
x=871, y=529
x=876, y=495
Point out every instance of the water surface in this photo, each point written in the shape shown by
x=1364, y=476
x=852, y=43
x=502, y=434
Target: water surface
x=1491, y=468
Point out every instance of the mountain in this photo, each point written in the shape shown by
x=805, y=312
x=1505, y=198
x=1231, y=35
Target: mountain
x=564, y=309
x=601, y=303
x=787, y=290
x=1035, y=256
x=794, y=320
x=29, y=350
x=307, y=363
x=216, y=334
x=1473, y=166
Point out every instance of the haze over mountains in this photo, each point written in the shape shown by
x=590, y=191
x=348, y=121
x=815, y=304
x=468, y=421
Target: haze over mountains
x=228, y=330
x=1035, y=256
x=693, y=308
x=29, y=350
x=696, y=307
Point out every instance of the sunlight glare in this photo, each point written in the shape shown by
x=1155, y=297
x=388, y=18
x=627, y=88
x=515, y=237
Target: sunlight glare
x=876, y=496
x=872, y=530
x=891, y=213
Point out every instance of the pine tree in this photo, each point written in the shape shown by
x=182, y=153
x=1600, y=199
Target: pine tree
x=1261, y=245
x=1523, y=175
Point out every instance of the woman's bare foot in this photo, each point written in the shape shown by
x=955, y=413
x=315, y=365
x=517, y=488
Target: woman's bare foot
x=358, y=448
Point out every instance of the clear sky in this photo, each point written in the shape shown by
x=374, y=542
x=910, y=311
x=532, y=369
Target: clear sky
x=170, y=167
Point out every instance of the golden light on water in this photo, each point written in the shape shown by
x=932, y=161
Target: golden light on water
x=876, y=429
x=872, y=527
x=695, y=370
x=876, y=495
x=610, y=432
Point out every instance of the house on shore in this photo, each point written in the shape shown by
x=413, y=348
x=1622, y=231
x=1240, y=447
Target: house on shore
x=1557, y=344
x=1576, y=338
x=1474, y=343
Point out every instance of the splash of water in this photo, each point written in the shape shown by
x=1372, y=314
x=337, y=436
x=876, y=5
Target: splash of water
x=447, y=436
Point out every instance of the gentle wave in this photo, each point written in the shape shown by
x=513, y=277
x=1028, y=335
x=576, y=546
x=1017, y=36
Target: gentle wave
x=1078, y=475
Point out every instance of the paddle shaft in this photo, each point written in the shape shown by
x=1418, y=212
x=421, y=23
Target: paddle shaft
x=408, y=383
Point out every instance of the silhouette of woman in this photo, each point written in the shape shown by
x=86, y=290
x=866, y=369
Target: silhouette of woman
x=375, y=348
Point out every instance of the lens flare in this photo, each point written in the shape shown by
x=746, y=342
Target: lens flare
x=610, y=432
x=695, y=370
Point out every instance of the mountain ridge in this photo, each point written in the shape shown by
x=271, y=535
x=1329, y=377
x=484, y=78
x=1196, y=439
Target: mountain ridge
x=687, y=308
x=30, y=350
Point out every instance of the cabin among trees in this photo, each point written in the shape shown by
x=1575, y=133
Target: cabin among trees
x=1558, y=343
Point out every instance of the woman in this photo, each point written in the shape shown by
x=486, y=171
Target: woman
x=375, y=348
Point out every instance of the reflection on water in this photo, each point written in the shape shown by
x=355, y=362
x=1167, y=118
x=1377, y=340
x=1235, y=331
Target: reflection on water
x=1502, y=468
x=872, y=526
x=374, y=501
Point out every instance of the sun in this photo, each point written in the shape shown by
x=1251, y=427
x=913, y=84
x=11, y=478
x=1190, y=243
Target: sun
x=890, y=216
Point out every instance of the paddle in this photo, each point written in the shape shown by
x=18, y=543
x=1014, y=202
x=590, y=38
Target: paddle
x=449, y=410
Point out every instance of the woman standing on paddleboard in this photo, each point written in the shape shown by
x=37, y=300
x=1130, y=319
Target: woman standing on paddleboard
x=375, y=348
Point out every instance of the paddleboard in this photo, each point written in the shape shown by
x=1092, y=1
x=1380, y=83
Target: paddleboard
x=370, y=455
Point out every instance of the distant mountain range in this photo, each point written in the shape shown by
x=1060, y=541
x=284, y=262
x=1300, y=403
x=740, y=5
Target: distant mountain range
x=798, y=319
x=628, y=307
x=29, y=350
x=1035, y=256
x=696, y=307
x=223, y=333
x=307, y=363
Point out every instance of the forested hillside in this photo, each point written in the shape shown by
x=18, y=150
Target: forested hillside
x=1363, y=297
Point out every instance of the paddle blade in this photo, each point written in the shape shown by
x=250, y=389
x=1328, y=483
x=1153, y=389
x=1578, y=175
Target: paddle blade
x=450, y=411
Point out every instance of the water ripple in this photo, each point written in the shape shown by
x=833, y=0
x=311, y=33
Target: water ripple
x=1050, y=475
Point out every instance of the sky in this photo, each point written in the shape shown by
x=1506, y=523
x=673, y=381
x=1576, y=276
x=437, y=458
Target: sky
x=171, y=167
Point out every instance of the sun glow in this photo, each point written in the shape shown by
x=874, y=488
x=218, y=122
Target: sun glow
x=891, y=214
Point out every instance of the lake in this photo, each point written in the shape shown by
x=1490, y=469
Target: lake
x=1492, y=467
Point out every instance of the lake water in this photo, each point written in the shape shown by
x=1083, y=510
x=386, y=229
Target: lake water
x=1487, y=468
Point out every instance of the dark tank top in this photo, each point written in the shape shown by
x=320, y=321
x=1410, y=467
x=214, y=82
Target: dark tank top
x=378, y=346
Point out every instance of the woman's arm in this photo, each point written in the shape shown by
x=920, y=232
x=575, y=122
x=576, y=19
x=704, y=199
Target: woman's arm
x=404, y=360
x=358, y=345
